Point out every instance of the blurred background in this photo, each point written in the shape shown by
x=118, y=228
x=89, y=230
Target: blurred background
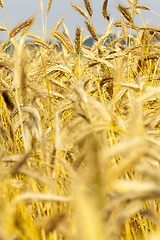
x=19, y=10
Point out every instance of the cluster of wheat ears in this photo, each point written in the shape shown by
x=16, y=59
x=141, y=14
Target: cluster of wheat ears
x=79, y=131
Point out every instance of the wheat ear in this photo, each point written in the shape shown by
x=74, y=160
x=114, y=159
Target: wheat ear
x=49, y=6
x=104, y=10
x=91, y=30
x=124, y=28
x=21, y=26
x=88, y=7
x=80, y=10
x=55, y=28
x=77, y=40
x=8, y=100
x=125, y=13
x=64, y=40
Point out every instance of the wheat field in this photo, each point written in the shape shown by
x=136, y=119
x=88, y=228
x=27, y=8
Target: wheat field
x=80, y=130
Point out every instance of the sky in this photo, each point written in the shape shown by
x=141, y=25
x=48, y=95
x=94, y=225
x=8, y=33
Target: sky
x=19, y=10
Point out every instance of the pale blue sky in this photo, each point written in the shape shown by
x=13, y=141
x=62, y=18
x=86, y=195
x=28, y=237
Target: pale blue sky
x=19, y=10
